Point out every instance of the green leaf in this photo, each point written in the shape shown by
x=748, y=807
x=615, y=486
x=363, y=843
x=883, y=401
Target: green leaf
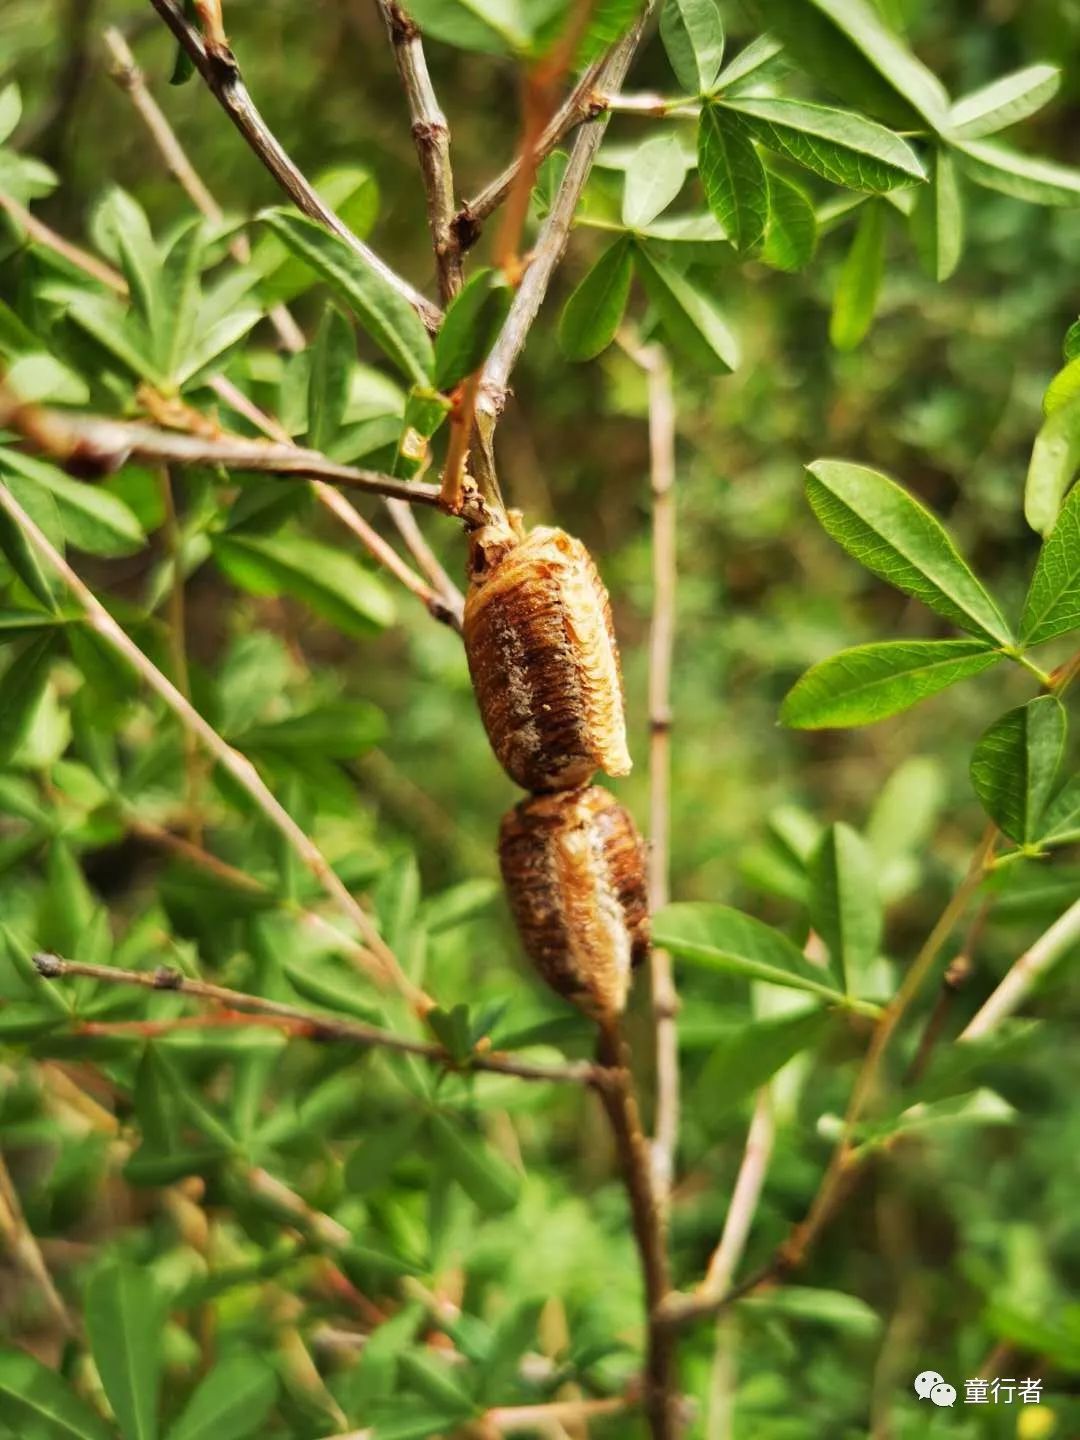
x=849, y=47
x=1061, y=822
x=22, y=557
x=338, y=730
x=214, y=340
x=845, y=908
x=654, y=177
x=692, y=32
x=1015, y=763
x=897, y=538
x=1065, y=386
x=720, y=938
x=859, y=280
x=870, y=682
x=845, y=1313
x=842, y=147
x=487, y=1179
x=1004, y=102
x=791, y=232
x=331, y=581
x=937, y=222
x=35, y=1401
x=232, y=1402
x=370, y=1165
x=174, y=327
x=1042, y=182
x=92, y=518
x=472, y=324
x=386, y=316
x=493, y=27
x=595, y=309
x=105, y=321
x=124, y=1321
x=1055, y=459
x=689, y=317
x=38, y=377
x=21, y=689
x=10, y=110
x=748, y=64
x=122, y=222
x=743, y=1057
x=333, y=357
x=733, y=178
x=1052, y=606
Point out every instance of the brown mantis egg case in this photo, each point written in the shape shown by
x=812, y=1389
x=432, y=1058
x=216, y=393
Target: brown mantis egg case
x=574, y=868
x=543, y=659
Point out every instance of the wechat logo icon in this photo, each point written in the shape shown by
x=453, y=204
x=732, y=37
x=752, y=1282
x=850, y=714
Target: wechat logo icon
x=929, y=1385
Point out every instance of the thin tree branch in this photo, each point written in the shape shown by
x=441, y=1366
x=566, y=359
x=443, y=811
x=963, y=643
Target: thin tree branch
x=431, y=135
x=665, y=999
x=581, y=104
x=845, y=1160
x=22, y=1244
x=42, y=234
x=744, y=1197
x=660, y=1401
x=510, y=1419
x=495, y=378
x=218, y=68
x=446, y=605
x=386, y=967
x=314, y=1025
x=1025, y=973
x=91, y=445
x=425, y=557
x=127, y=74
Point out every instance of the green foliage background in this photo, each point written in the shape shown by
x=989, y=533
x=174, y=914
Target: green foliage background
x=959, y=1251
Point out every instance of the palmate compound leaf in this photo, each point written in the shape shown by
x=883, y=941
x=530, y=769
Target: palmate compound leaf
x=595, y=309
x=733, y=178
x=1015, y=763
x=692, y=32
x=1052, y=606
x=1004, y=102
x=871, y=682
x=842, y=147
x=897, y=538
x=36, y=1401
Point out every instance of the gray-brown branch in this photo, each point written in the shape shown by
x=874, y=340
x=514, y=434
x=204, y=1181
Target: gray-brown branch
x=431, y=135
x=219, y=69
x=93, y=446
x=311, y=1024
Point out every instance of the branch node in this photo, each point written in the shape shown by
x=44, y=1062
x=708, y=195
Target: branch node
x=49, y=967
